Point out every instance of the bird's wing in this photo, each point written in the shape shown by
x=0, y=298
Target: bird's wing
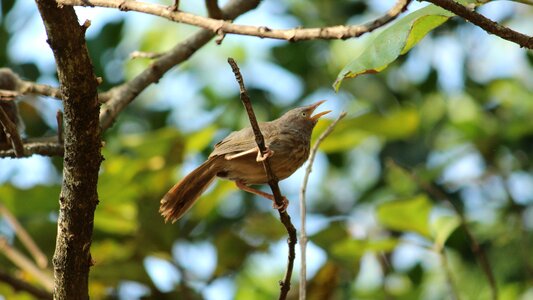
x=240, y=141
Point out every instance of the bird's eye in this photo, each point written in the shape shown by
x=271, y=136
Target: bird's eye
x=304, y=114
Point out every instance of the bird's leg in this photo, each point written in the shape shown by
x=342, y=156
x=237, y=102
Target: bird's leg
x=260, y=157
x=241, y=185
x=242, y=153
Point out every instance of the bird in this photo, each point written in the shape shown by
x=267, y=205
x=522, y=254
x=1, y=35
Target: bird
x=238, y=158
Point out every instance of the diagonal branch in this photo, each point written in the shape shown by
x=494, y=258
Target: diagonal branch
x=24, y=237
x=222, y=27
x=285, y=285
x=21, y=285
x=485, y=23
x=121, y=96
x=436, y=192
x=303, y=209
x=22, y=262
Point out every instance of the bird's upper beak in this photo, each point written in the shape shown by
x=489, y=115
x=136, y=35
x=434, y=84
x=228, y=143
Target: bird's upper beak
x=312, y=108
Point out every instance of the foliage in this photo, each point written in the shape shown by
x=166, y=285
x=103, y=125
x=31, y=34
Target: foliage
x=388, y=188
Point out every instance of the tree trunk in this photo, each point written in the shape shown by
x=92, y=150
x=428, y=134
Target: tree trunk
x=82, y=158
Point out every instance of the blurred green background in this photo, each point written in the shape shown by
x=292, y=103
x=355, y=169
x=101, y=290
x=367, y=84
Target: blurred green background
x=445, y=131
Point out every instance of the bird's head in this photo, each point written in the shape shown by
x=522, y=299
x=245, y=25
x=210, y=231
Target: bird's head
x=302, y=118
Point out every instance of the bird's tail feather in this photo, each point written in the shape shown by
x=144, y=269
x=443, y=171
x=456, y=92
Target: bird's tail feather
x=179, y=199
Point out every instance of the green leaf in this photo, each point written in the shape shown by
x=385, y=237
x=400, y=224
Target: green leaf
x=399, y=180
x=406, y=215
x=350, y=250
x=351, y=132
x=385, y=46
x=442, y=228
x=37, y=201
x=200, y=139
x=330, y=235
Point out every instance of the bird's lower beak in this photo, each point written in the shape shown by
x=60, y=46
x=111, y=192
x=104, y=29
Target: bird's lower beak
x=318, y=115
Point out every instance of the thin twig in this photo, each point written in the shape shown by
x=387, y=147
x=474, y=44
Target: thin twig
x=21, y=285
x=31, y=88
x=478, y=252
x=45, y=148
x=25, y=264
x=11, y=132
x=25, y=238
x=220, y=27
x=303, y=206
x=285, y=284
x=149, y=55
x=28, y=87
x=454, y=294
x=119, y=97
x=485, y=23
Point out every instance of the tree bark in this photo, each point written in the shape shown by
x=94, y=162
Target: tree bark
x=82, y=158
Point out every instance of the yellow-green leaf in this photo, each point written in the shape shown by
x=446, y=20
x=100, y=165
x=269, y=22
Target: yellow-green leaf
x=406, y=215
x=386, y=45
x=442, y=228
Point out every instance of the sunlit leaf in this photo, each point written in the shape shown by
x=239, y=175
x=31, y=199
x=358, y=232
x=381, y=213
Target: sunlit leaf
x=350, y=132
x=442, y=228
x=200, y=139
x=109, y=251
x=231, y=249
x=330, y=235
x=208, y=202
x=254, y=227
x=155, y=143
x=406, y=215
x=119, y=218
x=385, y=46
x=38, y=200
x=399, y=180
x=351, y=250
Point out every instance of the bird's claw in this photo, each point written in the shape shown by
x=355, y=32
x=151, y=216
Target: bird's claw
x=261, y=157
x=283, y=207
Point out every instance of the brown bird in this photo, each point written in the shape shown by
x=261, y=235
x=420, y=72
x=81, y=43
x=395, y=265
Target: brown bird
x=238, y=158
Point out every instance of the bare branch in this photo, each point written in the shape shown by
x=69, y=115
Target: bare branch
x=285, y=285
x=28, y=87
x=303, y=206
x=223, y=27
x=46, y=146
x=149, y=55
x=24, y=87
x=485, y=23
x=25, y=264
x=120, y=96
x=25, y=238
x=21, y=285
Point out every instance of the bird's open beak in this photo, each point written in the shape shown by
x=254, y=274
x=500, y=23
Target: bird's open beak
x=312, y=108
